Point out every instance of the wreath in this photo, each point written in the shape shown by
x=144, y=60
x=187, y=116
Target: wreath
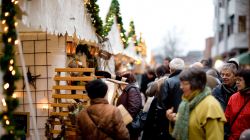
x=49, y=127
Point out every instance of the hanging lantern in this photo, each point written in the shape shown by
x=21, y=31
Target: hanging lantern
x=94, y=51
x=70, y=48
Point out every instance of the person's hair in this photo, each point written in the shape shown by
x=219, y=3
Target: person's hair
x=177, y=64
x=168, y=58
x=207, y=62
x=130, y=77
x=96, y=89
x=229, y=66
x=245, y=73
x=161, y=71
x=80, y=48
x=195, y=76
x=213, y=72
x=151, y=71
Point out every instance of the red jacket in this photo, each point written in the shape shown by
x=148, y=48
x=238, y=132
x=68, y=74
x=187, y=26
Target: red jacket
x=242, y=122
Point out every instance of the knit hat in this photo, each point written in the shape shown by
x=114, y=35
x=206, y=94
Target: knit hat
x=234, y=61
x=245, y=135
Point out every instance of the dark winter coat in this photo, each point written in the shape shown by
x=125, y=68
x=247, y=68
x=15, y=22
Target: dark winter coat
x=223, y=93
x=156, y=126
x=131, y=99
x=101, y=121
x=171, y=92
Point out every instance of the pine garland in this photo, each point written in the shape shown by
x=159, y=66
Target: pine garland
x=114, y=12
x=9, y=69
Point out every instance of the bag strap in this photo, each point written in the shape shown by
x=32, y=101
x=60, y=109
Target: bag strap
x=236, y=116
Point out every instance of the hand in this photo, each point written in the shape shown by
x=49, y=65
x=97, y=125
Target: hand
x=170, y=114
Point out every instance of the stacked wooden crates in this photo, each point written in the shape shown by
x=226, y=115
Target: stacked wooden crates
x=63, y=93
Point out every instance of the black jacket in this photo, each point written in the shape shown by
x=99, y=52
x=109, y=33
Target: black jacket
x=223, y=93
x=171, y=92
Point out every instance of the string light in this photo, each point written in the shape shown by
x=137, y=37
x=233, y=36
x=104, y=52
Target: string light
x=3, y=102
x=6, y=86
x=14, y=95
x=16, y=23
x=3, y=21
x=11, y=68
x=11, y=61
x=5, y=117
x=9, y=39
x=7, y=122
x=13, y=1
x=16, y=42
x=6, y=29
x=13, y=72
x=16, y=2
x=6, y=14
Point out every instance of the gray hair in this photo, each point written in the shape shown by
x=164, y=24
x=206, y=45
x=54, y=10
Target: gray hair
x=229, y=66
x=177, y=64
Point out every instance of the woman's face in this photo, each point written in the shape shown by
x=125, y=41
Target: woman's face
x=186, y=88
x=240, y=83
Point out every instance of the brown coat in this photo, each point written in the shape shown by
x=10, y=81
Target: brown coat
x=101, y=121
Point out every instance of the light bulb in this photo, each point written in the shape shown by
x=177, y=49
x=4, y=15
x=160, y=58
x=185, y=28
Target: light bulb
x=3, y=102
x=16, y=23
x=11, y=68
x=3, y=21
x=5, y=117
x=6, y=86
x=14, y=95
x=13, y=72
x=16, y=2
x=7, y=122
x=12, y=0
x=9, y=39
x=6, y=14
x=11, y=61
x=16, y=42
x=6, y=29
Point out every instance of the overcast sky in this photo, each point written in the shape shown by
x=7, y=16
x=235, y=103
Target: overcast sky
x=154, y=18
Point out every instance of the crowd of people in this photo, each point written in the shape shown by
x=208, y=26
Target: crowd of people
x=195, y=102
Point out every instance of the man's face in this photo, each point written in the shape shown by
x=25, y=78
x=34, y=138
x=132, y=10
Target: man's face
x=228, y=77
x=166, y=62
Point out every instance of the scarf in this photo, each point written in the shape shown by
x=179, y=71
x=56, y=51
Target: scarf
x=187, y=105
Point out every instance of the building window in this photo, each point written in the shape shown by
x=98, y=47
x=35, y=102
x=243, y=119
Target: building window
x=231, y=25
x=242, y=24
x=221, y=30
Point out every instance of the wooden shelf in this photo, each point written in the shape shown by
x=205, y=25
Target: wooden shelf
x=70, y=96
x=75, y=70
x=64, y=114
x=69, y=78
x=66, y=87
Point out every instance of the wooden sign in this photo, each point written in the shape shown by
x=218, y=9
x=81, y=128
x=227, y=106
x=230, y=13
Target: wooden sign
x=22, y=121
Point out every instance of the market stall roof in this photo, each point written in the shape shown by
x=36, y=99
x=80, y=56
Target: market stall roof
x=59, y=17
x=115, y=39
x=244, y=58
